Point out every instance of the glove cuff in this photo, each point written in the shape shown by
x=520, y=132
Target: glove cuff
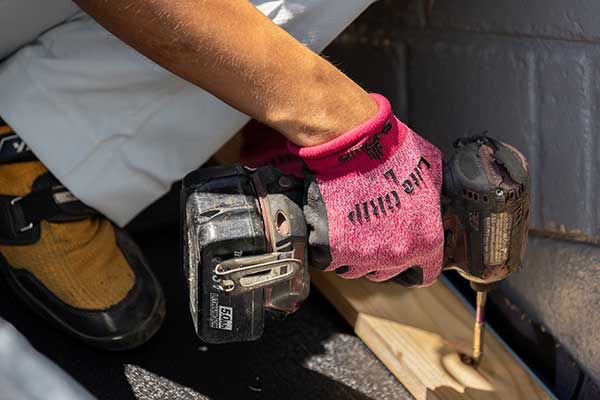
x=372, y=141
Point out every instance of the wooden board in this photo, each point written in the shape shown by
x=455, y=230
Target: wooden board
x=419, y=333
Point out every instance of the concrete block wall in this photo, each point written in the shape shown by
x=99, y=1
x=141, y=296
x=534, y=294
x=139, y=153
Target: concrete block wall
x=527, y=73
x=575, y=20
x=538, y=94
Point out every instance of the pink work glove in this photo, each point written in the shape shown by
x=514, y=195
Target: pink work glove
x=265, y=146
x=373, y=202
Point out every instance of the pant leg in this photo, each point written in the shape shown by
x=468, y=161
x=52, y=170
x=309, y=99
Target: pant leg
x=33, y=16
x=25, y=374
x=116, y=128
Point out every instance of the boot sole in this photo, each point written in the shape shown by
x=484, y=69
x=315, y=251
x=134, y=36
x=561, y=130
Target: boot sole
x=130, y=340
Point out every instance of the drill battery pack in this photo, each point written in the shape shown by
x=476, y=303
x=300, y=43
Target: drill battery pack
x=244, y=249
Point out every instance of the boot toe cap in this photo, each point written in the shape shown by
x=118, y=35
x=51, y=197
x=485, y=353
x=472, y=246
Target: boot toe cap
x=127, y=324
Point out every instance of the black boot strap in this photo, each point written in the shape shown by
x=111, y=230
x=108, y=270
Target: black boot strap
x=12, y=147
x=49, y=200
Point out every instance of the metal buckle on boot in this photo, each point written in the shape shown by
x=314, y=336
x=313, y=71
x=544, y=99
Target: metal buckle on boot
x=244, y=274
x=27, y=227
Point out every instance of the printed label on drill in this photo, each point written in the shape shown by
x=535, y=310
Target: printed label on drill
x=221, y=317
x=225, y=318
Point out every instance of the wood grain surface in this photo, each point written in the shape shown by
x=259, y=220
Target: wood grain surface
x=419, y=335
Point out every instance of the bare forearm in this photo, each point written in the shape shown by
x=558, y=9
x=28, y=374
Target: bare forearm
x=233, y=51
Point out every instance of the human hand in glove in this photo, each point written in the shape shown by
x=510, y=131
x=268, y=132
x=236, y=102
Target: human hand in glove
x=373, y=202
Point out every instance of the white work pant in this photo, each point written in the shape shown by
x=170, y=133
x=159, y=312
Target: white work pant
x=115, y=128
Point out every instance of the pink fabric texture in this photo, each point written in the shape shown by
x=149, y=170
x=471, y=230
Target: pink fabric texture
x=265, y=146
x=381, y=186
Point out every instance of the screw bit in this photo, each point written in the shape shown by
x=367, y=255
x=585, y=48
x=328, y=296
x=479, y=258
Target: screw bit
x=479, y=331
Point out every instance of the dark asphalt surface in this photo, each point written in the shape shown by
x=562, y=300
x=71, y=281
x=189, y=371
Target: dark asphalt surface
x=310, y=355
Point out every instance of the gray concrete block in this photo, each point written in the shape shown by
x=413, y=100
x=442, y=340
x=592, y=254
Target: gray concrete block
x=460, y=87
x=559, y=288
x=566, y=123
x=411, y=13
x=566, y=19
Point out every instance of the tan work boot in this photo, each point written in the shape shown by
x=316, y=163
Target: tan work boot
x=67, y=262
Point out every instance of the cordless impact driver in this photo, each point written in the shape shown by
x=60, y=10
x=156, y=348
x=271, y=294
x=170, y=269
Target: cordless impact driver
x=245, y=237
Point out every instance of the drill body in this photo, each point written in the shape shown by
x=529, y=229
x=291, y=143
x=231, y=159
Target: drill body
x=245, y=237
x=485, y=206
